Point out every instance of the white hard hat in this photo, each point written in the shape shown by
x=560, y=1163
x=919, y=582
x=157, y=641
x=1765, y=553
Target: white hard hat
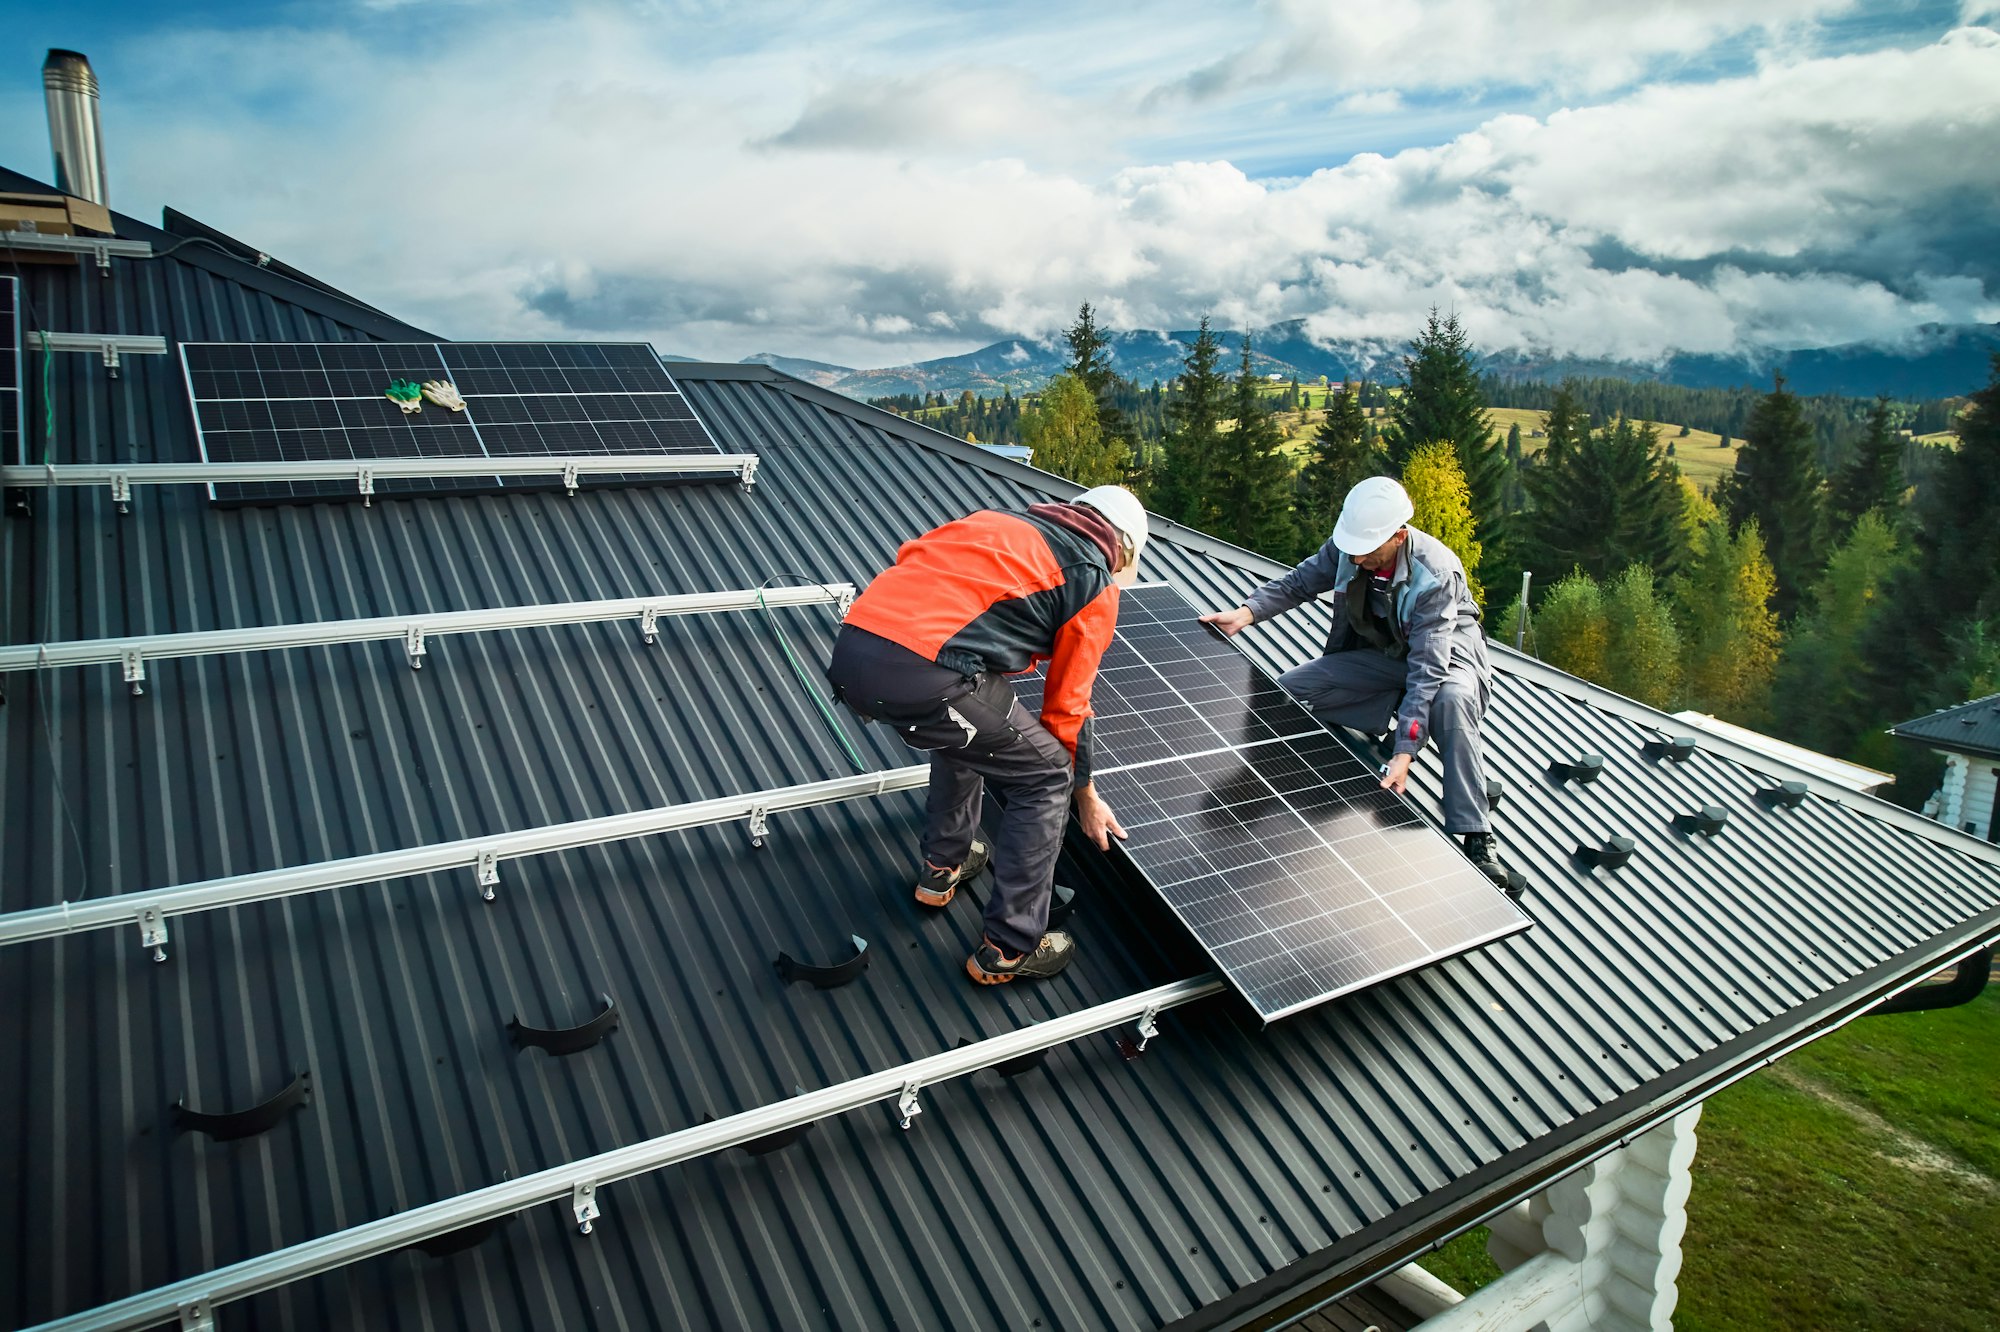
x=1123, y=510
x=1374, y=511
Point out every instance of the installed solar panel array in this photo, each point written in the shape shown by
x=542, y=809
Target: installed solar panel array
x=1277, y=848
x=267, y=402
x=13, y=423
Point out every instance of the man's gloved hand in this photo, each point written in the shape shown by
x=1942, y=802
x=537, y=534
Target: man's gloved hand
x=405, y=394
x=1096, y=819
x=444, y=394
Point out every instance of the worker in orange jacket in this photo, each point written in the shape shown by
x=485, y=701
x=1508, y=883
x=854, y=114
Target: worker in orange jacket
x=926, y=649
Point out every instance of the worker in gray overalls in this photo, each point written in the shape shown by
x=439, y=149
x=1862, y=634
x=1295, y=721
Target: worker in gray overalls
x=1405, y=641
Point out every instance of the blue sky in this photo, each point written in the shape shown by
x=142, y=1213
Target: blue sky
x=875, y=183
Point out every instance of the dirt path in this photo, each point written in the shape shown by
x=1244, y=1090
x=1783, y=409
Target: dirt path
x=1912, y=1153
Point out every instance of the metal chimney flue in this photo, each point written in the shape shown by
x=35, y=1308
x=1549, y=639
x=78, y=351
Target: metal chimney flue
x=74, y=133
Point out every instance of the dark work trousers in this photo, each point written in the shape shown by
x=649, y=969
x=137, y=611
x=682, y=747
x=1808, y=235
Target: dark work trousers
x=1360, y=689
x=975, y=731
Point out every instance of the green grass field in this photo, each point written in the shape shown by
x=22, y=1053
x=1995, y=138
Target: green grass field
x=1856, y=1184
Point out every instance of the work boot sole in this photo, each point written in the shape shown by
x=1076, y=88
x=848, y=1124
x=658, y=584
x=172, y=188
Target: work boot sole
x=974, y=863
x=981, y=976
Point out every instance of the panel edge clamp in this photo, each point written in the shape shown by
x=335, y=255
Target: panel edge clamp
x=760, y=825
x=907, y=1105
x=153, y=932
x=135, y=671
x=569, y=476
x=121, y=491
x=413, y=646
x=197, y=1316
x=365, y=478
x=583, y=1205
x=489, y=872
x=649, y=625
x=1149, y=1026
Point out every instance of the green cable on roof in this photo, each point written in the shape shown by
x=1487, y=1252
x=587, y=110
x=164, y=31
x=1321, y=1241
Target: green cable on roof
x=825, y=712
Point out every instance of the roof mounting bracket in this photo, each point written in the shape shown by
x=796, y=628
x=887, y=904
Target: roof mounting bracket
x=1785, y=795
x=649, y=625
x=413, y=646
x=760, y=826
x=845, y=602
x=907, y=1104
x=569, y=476
x=153, y=932
x=583, y=1205
x=825, y=978
x=1149, y=1026
x=135, y=671
x=1583, y=770
x=1062, y=901
x=121, y=491
x=196, y=1315
x=1674, y=749
x=749, y=473
x=566, y=1040
x=1709, y=821
x=489, y=873
x=365, y=478
x=1612, y=855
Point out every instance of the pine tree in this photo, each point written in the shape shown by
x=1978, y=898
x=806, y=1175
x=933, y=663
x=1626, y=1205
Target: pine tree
x=1062, y=430
x=1443, y=503
x=1729, y=633
x=1442, y=401
x=1608, y=501
x=1642, y=655
x=1777, y=483
x=1567, y=424
x=1090, y=361
x=1568, y=630
x=1253, y=483
x=1819, y=699
x=1341, y=455
x=1183, y=485
x=1873, y=480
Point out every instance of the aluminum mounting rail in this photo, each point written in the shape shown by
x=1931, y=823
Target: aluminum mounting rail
x=365, y=472
x=411, y=630
x=101, y=247
x=194, y=1300
x=150, y=908
x=108, y=345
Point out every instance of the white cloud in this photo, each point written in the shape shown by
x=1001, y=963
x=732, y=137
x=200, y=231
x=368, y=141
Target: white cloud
x=1386, y=102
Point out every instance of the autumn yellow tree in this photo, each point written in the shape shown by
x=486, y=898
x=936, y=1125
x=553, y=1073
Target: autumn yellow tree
x=1729, y=633
x=1443, y=503
x=1568, y=629
x=1063, y=432
x=1642, y=651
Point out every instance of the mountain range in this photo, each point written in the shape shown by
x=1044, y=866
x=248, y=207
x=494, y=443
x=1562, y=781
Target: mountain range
x=1940, y=361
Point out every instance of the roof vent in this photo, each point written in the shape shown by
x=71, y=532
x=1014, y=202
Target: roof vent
x=1785, y=795
x=75, y=137
x=1583, y=770
x=1709, y=820
x=1495, y=788
x=1614, y=853
x=1675, y=749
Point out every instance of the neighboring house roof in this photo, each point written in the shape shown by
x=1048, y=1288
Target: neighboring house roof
x=1970, y=728
x=1853, y=776
x=1228, y=1170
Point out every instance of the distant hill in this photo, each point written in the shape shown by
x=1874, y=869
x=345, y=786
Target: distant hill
x=1941, y=362
x=813, y=372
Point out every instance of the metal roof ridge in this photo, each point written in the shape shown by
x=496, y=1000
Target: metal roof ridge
x=1535, y=671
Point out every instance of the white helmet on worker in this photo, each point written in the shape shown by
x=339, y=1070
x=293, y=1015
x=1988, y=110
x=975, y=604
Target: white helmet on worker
x=1121, y=508
x=1376, y=510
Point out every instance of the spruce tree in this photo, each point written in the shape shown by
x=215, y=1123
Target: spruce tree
x=1777, y=483
x=1606, y=502
x=1442, y=401
x=1873, y=479
x=1341, y=454
x=1567, y=424
x=1183, y=485
x=1253, y=483
x=1090, y=361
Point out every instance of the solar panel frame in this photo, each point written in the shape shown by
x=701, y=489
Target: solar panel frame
x=260, y=401
x=1279, y=850
x=13, y=372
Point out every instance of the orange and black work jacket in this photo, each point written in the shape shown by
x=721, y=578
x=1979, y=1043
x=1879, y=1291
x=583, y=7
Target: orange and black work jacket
x=1002, y=591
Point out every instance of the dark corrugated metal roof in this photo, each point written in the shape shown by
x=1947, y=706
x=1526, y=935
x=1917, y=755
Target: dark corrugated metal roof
x=1228, y=1166
x=1969, y=728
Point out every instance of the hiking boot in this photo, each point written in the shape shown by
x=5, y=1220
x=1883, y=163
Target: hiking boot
x=1483, y=850
x=993, y=965
x=937, y=887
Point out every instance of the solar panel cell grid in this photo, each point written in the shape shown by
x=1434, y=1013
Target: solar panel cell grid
x=13, y=431
x=1278, y=849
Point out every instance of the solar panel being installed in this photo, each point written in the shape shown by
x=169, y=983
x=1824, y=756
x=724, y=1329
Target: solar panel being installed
x=13, y=425
x=1278, y=849
x=265, y=402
